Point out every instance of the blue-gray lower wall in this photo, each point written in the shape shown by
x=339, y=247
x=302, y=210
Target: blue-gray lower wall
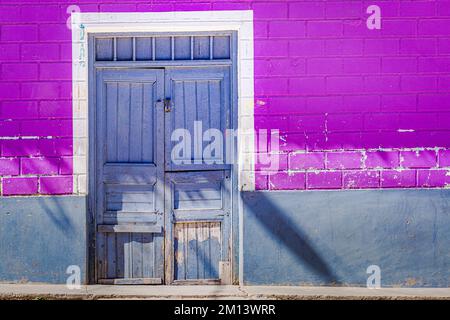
x=331, y=237
x=41, y=236
x=290, y=238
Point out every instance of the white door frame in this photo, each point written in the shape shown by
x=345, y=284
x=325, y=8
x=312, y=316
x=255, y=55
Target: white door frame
x=237, y=20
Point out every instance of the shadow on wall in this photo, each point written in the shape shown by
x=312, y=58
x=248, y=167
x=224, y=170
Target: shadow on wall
x=336, y=237
x=57, y=215
x=41, y=237
x=288, y=233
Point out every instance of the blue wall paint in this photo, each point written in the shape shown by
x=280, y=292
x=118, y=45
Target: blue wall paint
x=305, y=238
x=331, y=237
x=41, y=236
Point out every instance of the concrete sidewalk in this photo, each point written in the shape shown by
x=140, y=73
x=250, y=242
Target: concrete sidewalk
x=92, y=292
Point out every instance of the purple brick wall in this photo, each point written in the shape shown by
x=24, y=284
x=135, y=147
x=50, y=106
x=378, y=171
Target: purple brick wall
x=356, y=108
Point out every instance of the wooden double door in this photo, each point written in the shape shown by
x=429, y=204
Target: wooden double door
x=162, y=208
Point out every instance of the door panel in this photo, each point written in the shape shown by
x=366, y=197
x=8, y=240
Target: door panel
x=132, y=255
x=198, y=196
x=129, y=122
x=199, y=207
x=197, y=247
x=200, y=100
x=130, y=176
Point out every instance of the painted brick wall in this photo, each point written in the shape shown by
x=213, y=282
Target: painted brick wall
x=356, y=108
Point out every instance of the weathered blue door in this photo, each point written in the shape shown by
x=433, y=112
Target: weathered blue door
x=147, y=195
x=130, y=176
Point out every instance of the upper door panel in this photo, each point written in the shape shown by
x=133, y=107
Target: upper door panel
x=130, y=116
x=197, y=118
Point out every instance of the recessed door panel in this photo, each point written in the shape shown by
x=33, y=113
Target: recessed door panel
x=197, y=118
x=197, y=251
x=130, y=176
x=199, y=206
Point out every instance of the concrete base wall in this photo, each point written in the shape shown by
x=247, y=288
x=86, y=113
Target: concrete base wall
x=40, y=237
x=331, y=237
x=290, y=237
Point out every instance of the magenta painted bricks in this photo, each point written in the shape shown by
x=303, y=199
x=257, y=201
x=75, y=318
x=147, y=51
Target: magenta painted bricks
x=307, y=161
x=433, y=178
x=344, y=160
x=9, y=166
x=382, y=159
x=359, y=179
x=356, y=108
x=398, y=178
x=287, y=181
x=20, y=186
x=56, y=185
x=324, y=180
x=418, y=159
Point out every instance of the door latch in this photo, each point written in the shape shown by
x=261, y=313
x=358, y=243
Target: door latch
x=167, y=106
x=164, y=104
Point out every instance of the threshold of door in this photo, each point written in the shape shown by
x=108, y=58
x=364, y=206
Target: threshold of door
x=200, y=282
x=131, y=281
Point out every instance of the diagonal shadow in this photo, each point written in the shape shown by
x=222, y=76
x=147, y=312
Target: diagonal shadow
x=271, y=217
x=56, y=213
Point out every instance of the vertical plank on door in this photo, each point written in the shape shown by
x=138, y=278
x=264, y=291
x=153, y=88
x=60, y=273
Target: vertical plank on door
x=178, y=112
x=136, y=107
x=148, y=255
x=136, y=255
x=123, y=126
x=204, y=251
x=121, y=254
x=148, y=123
x=111, y=121
x=190, y=110
x=202, y=98
x=191, y=257
x=215, y=103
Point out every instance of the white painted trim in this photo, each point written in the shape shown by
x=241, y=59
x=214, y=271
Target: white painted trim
x=238, y=20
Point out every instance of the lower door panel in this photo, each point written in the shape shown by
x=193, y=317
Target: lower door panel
x=131, y=258
x=197, y=250
x=199, y=226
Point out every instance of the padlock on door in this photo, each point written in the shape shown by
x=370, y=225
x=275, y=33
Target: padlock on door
x=166, y=104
